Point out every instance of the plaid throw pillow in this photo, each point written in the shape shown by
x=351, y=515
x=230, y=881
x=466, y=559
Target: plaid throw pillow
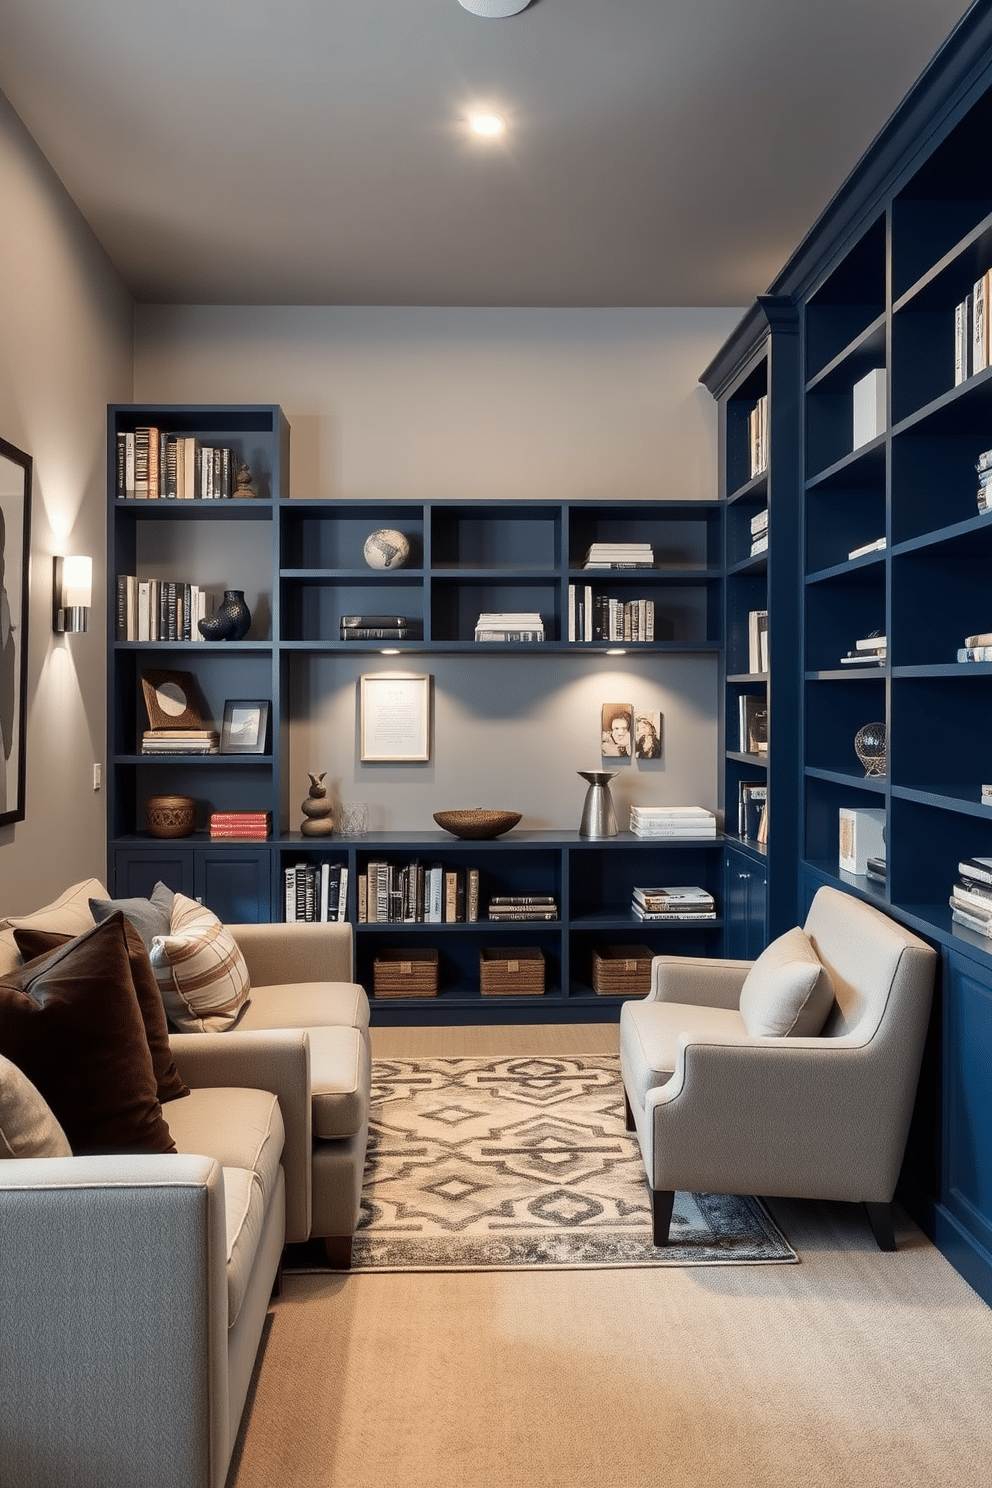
x=199, y=969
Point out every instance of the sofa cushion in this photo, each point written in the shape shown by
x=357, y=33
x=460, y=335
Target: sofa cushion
x=650, y=1033
x=788, y=990
x=240, y=1128
x=150, y=917
x=169, y=1083
x=28, y=1127
x=70, y=1020
x=200, y=971
x=69, y=914
x=340, y=1080
x=307, y=1005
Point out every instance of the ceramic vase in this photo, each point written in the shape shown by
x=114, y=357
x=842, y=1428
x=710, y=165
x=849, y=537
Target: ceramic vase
x=599, y=819
x=318, y=811
x=230, y=621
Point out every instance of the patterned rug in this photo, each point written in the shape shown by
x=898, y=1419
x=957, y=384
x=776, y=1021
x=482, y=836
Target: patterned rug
x=478, y=1164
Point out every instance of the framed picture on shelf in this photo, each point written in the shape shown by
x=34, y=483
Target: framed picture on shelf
x=171, y=700
x=246, y=726
x=395, y=713
x=15, y=550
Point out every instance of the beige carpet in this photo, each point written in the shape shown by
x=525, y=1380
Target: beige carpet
x=852, y=1368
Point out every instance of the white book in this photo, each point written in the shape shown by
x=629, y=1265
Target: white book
x=979, y=326
x=869, y=407
x=877, y=546
x=343, y=894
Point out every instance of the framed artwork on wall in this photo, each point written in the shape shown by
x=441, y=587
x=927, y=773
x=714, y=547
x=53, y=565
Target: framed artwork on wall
x=395, y=716
x=15, y=555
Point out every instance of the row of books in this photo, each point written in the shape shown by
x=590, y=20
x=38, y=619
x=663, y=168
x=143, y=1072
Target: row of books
x=417, y=893
x=380, y=628
x=315, y=892
x=160, y=609
x=757, y=435
x=675, y=902
x=594, y=616
x=672, y=821
x=752, y=708
x=253, y=826
x=180, y=741
x=757, y=641
x=619, y=555
x=509, y=625
x=759, y=532
x=871, y=650
x=971, y=330
x=976, y=647
x=983, y=468
x=752, y=810
x=153, y=464
x=971, y=896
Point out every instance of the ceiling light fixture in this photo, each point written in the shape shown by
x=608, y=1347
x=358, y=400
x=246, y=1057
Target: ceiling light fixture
x=494, y=10
x=488, y=125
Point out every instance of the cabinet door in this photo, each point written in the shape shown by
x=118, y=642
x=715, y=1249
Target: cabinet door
x=746, y=899
x=137, y=870
x=968, y=1096
x=235, y=883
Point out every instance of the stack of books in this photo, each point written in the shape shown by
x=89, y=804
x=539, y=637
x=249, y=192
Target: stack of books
x=672, y=821
x=976, y=647
x=509, y=625
x=256, y=826
x=971, y=897
x=757, y=433
x=180, y=741
x=875, y=870
x=523, y=907
x=619, y=555
x=759, y=533
x=379, y=628
x=315, y=892
x=678, y=902
x=871, y=650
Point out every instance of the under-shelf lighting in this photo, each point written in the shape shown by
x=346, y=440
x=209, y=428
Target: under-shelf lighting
x=390, y=651
x=617, y=651
x=72, y=594
x=489, y=126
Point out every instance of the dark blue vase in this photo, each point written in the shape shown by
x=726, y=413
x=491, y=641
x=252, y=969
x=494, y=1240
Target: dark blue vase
x=230, y=621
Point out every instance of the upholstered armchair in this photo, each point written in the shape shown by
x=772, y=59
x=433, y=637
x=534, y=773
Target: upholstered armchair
x=794, y=1075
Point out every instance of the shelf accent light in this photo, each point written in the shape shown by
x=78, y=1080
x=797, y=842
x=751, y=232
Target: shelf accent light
x=72, y=594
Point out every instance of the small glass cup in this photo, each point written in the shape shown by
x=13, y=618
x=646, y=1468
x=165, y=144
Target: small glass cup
x=355, y=819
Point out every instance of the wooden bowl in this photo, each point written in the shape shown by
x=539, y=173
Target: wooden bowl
x=477, y=824
x=170, y=816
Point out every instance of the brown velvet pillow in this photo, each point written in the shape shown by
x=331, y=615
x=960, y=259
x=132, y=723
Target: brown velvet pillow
x=70, y=1020
x=169, y=1082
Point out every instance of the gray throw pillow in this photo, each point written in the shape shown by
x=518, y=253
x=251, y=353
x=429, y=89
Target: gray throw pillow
x=150, y=917
x=788, y=990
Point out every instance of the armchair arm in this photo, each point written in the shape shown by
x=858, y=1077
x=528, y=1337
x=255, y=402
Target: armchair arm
x=698, y=982
x=282, y=952
x=807, y=1117
x=273, y=1059
x=114, y=1365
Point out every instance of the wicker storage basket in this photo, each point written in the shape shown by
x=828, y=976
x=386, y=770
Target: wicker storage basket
x=405, y=973
x=622, y=971
x=509, y=970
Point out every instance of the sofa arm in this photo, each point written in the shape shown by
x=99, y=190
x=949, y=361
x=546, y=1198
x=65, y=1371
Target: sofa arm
x=276, y=953
x=114, y=1319
x=698, y=981
x=277, y=1060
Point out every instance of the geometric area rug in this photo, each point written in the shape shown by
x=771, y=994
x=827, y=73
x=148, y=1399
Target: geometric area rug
x=502, y=1163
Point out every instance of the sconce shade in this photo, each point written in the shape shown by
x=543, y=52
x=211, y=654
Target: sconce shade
x=72, y=594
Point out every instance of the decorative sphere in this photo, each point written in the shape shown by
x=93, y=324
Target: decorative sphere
x=386, y=549
x=870, y=747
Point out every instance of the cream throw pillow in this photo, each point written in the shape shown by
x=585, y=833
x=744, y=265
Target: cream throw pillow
x=200, y=970
x=70, y=913
x=28, y=1127
x=788, y=990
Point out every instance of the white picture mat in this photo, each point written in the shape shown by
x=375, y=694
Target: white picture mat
x=395, y=717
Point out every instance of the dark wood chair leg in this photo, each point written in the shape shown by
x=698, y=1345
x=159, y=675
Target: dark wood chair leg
x=628, y=1115
x=880, y=1219
x=338, y=1251
x=662, y=1204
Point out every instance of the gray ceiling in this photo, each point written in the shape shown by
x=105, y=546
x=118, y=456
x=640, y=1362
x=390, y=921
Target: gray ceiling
x=659, y=152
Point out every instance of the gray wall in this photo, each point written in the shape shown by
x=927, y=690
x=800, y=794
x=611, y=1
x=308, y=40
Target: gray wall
x=65, y=352
x=475, y=404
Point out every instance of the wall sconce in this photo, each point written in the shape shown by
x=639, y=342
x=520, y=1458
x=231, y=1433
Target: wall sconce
x=72, y=594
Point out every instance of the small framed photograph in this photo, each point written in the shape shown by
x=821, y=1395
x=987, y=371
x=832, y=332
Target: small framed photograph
x=395, y=710
x=618, y=730
x=647, y=735
x=246, y=726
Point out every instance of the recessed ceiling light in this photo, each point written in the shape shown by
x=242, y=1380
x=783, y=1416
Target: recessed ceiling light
x=492, y=10
x=488, y=125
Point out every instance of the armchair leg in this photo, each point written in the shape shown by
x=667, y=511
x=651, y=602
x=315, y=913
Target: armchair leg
x=338, y=1251
x=880, y=1219
x=628, y=1115
x=662, y=1204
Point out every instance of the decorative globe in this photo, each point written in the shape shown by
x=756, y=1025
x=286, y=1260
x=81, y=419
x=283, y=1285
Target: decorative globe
x=386, y=549
x=870, y=747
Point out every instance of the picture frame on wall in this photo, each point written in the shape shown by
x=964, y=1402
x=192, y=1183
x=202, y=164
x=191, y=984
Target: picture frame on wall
x=15, y=553
x=394, y=717
x=245, y=729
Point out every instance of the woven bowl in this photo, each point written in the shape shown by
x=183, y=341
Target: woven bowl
x=170, y=816
x=477, y=824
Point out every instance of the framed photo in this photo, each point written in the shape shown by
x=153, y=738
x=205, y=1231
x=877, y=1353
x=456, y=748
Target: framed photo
x=618, y=730
x=245, y=729
x=647, y=735
x=395, y=716
x=15, y=552
x=171, y=700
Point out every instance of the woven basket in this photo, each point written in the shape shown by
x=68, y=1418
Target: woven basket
x=405, y=973
x=510, y=971
x=170, y=816
x=622, y=971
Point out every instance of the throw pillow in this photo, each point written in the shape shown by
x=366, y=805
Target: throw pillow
x=27, y=1126
x=788, y=990
x=150, y=917
x=200, y=970
x=71, y=1022
x=69, y=914
x=168, y=1081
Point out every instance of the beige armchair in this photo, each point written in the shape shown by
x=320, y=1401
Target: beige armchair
x=720, y=1108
